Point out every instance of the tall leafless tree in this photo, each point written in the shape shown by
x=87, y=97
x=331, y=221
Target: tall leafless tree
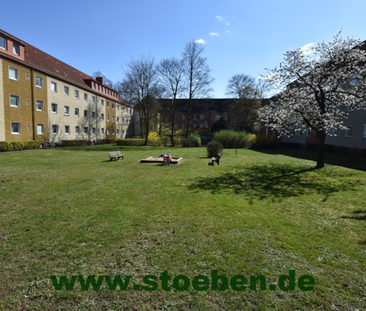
x=237, y=85
x=137, y=89
x=171, y=75
x=197, y=74
x=98, y=73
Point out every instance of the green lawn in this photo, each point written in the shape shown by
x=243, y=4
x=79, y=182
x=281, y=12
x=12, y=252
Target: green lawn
x=73, y=212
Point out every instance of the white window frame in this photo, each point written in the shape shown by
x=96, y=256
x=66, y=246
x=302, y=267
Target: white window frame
x=93, y=100
x=117, y=119
x=53, y=87
x=16, y=49
x=102, y=116
x=217, y=117
x=77, y=130
x=66, y=91
x=41, y=102
x=16, y=71
x=54, y=126
x=112, y=106
x=39, y=82
x=76, y=94
x=85, y=97
x=93, y=130
x=86, y=113
x=15, y=132
x=5, y=46
x=86, y=130
x=107, y=117
x=66, y=110
x=93, y=115
x=17, y=100
x=107, y=104
x=112, y=118
x=54, y=110
x=77, y=112
x=67, y=129
x=41, y=127
x=107, y=131
x=102, y=131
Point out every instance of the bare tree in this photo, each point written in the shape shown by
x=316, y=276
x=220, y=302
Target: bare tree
x=197, y=75
x=171, y=76
x=90, y=121
x=139, y=82
x=238, y=83
x=97, y=74
x=160, y=92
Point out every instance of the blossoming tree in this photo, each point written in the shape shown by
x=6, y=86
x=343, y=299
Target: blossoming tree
x=317, y=90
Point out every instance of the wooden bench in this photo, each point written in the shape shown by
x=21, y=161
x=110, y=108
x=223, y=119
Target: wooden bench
x=115, y=155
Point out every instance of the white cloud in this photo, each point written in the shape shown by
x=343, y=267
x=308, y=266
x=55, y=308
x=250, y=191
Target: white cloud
x=200, y=41
x=220, y=18
x=214, y=34
x=306, y=49
x=227, y=24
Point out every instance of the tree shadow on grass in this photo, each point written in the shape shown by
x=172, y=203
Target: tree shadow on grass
x=358, y=215
x=277, y=181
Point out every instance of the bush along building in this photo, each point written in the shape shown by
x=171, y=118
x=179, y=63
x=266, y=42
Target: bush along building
x=45, y=99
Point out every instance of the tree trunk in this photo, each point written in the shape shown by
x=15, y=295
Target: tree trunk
x=321, y=149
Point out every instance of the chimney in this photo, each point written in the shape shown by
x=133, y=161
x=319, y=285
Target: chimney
x=100, y=79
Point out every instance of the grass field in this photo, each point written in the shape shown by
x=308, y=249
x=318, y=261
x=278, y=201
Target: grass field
x=73, y=212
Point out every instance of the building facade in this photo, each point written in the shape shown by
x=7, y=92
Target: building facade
x=45, y=99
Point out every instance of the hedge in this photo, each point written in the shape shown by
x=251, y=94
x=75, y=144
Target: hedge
x=130, y=142
x=18, y=145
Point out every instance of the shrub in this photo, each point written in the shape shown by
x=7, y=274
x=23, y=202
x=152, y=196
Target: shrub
x=165, y=140
x=18, y=145
x=231, y=139
x=153, y=139
x=130, y=142
x=213, y=148
x=261, y=141
x=194, y=140
x=72, y=143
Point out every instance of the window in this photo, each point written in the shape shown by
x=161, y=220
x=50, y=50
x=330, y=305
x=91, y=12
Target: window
x=67, y=129
x=85, y=113
x=93, y=130
x=39, y=82
x=102, y=131
x=85, y=97
x=123, y=109
x=202, y=117
x=27, y=102
x=117, y=131
x=54, y=129
x=40, y=129
x=117, y=108
x=102, y=116
x=93, y=114
x=123, y=132
x=76, y=94
x=28, y=127
x=93, y=99
x=194, y=125
x=364, y=130
x=15, y=127
x=66, y=91
x=201, y=125
x=107, y=131
x=39, y=105
x=112, y=118
x=107, y=117
x=112, y=131
x=225, y=118
x=16, y=49
x=54, y=87
x=123, y=120
x=86, y=130
x=66, y=110
x=183, y=117
x=102, y=102
x=308, y=133
x=77, y=130
x=27, y=76
x=112, y=106
x=3, y=43
x=107, y=104
x=13, y=73
x=217, y=117
x=194, y=117
x=77, y=112
x=117, y=119
x=349, y=132
x=14, y=101
x=54, y=108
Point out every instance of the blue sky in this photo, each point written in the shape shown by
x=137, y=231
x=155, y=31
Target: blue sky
x=239, y=36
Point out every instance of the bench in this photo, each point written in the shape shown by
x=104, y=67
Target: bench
x=115, y=155
x=215, y=159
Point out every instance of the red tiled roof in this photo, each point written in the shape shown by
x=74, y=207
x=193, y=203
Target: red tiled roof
x=50, y=65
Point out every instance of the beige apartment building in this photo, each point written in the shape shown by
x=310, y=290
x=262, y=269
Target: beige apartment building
x=45, y=99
